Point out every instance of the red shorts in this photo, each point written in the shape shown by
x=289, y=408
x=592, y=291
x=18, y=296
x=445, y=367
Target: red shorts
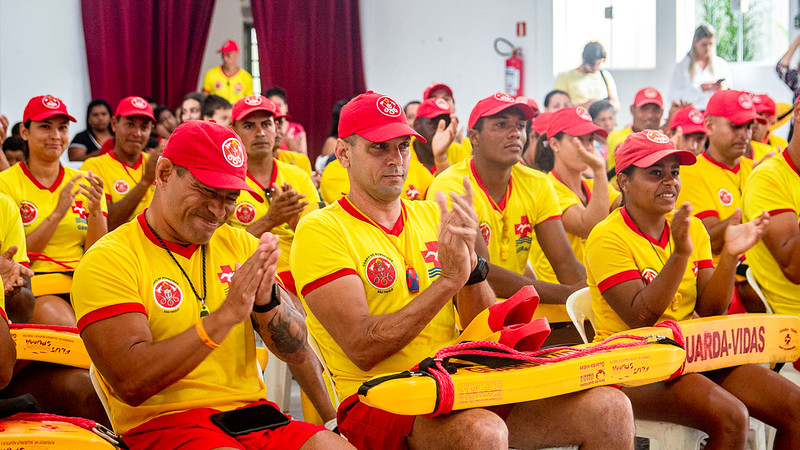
x=369, y=428
x=194, y=430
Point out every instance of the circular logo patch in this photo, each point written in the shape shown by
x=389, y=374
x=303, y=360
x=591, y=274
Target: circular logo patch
x=167, y=294
x=245, y=213
x=121, y=186
x=387, y=106
x=380, y=272
x=139, y=102
x=757, y=99
x=28, y=212
x=233, y=152
x=725, y=197
x=252, y=100
x=696, y=116
x=238, y=87
x=657, y=137
x=442, y=104
x=218, y=85
x=745, y=101
x=51, y=102
x=648, y=275
x=486, y=232
x=503, y=97
x=583, y=113
x=650, y=93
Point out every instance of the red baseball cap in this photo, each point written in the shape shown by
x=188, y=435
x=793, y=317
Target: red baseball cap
x=433, y=107
x=376, y=118
x=229, y=46
x=530, y=102
x=496, y=103
x=575, y=121
x=540, y=122
x=764, y=104
x=134, y=106
x=212, y=152
x=43, y=106
x=646, y=96
x=647, y=147
x=736, y=106
x=435, y=86
x=691, y=120
x=251, y=103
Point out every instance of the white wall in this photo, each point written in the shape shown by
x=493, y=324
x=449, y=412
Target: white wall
x=226, y=23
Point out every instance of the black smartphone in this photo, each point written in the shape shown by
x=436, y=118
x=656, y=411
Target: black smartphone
x=253, y=418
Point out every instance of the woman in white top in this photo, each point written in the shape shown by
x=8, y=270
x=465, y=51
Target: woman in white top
x=701, y=72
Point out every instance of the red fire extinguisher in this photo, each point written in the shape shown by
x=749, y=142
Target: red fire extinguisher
x=514, y=72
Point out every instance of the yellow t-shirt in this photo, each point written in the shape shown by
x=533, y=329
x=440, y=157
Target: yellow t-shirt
x=508, y=227
x=119, y=178
x=773, y=186
x=566, y=198
x=36, y=202
x=617, y=251
x=248, y=210
x=335, y=182
x=129, y=271
x=615, y=138
x=11, y=232
x=339, y=240
x=455, y=153
x=296, y=159
x=583, y=87
x=232, y=88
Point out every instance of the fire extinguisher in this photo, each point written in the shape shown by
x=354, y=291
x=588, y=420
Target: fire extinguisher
x=514, y=72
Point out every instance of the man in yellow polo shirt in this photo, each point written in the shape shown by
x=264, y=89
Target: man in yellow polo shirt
x=380, y=278
x=127, y=171
x=515, y=204
x=647, y=109
x=171, y=332
x=764, y=141
x=774, y=186
x=229, y=81
x=436, y=122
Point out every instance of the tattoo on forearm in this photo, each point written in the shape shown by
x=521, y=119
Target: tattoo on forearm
x=286, y=340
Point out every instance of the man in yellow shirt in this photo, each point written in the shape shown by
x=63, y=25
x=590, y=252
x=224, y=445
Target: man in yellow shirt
x=438, y=125
x=229, y=81
x=380, y=278
x=171, y=332
x=764, y=142
x=647, y=109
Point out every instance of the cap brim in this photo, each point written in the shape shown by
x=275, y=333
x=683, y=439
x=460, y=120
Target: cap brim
x=252, y=109
x=219, y=180
x=141, y=114
x=388, y=132
x=783, y=112
x=746, y=116
x=691, y=128
x=687, y=158
x=648, y=101
x=47, y=114
x=584, y=128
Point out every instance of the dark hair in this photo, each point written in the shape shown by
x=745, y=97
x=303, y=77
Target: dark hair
x=212, y=103
x=276, y=91
x=412, y=102
x=478, y=125
x=14, y=143
x=599, y=106
x=545, y=159
x=159, y=109
x=551, y=94
x=528, y=127
x=593, y=52
x=335, y=113
x=627, y=171
x=199, y=96
x=98, y=102
x=15, y=129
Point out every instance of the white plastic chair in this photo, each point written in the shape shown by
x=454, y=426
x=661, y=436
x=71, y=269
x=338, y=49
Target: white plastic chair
x=667, y=435
x=751, y=279
x=326, y=373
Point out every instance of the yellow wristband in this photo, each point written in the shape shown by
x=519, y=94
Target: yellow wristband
x=201, y=331
x=446, y=163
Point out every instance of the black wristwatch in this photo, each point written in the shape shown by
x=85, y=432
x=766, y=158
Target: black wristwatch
x=479, y=273
x=276, y=300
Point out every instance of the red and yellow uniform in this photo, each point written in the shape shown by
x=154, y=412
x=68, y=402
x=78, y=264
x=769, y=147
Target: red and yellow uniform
x=713, y=188
x=617, y=251
x=615, y=138
x=339, y=240
x=11, y=232
x=774, y=186
x=508, y=226
x=774, y=144
x=36, y=202
x=248, y=210
x=566, y=199
x=119, y=178
x=296, y=159
x=231, y=88
x=335, y=183
x=137, y=275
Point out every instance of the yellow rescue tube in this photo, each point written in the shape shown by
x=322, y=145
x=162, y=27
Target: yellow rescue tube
x=59, y=345
x=477, y=385
x=50, y=284
x=47, y=434
x=726, y=341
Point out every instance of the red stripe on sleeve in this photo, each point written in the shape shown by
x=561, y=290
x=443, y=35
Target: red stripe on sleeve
x=3, y=313
x=710, y=213
x=287, y=281
x=108, y=196
x=705, y=264
x=327, y=279
x=109, y=311
x=551, y=218
x=780, y=211
x=621, y=277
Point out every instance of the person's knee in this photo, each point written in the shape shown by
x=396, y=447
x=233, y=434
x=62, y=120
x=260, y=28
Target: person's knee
x=485, y=431
x=53, y=310
x=611, y=415
x=733, y=419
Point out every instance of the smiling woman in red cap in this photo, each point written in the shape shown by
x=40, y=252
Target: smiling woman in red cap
x=569, y=153
x=647, y=264
x=63, y=210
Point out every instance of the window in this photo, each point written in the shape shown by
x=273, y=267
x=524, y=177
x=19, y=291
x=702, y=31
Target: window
x=251, y=56
x=628, y=35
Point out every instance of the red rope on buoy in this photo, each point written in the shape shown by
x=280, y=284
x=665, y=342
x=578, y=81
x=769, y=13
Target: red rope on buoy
x=677, y=334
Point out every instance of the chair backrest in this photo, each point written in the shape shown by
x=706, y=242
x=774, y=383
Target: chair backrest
x=579, y=309
x=315, y=347
x=754, y=284
x=99, y=388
